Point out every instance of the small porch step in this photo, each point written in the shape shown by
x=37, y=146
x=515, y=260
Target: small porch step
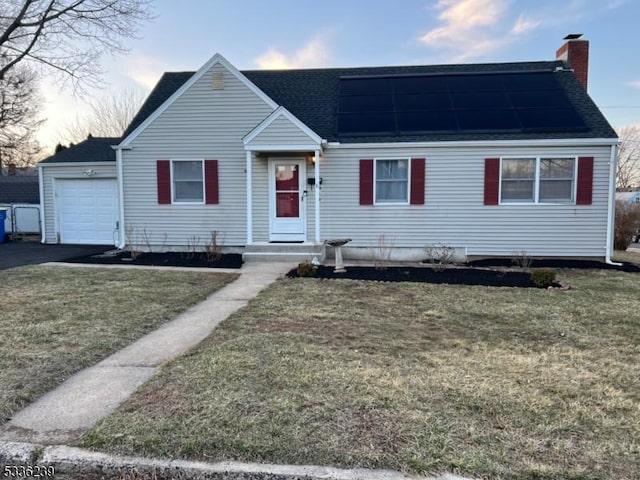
x=283, y=252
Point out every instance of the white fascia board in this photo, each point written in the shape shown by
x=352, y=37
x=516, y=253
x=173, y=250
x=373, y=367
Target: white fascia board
x=282, y=147
x=554, y=142
x=43, y=230
x=120, y=183
x=216, y=59
x=277, y=113
x=77, y=164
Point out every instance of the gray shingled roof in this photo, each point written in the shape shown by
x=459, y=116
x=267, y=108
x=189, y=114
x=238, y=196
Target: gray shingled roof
x=93, y=149
x=312, y=96
x=19, y=189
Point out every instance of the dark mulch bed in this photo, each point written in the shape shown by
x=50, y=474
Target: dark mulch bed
x=455, y=276
x=488, y=272
x=167, y=259
x=556, y=263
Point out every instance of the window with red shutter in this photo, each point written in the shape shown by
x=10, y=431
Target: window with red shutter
x=584, y=191
x=417, y=181
x=538, y=180
x=366, y=182
x=192, y=182
x=211, y=182
x=491, y=180
x=163, y=174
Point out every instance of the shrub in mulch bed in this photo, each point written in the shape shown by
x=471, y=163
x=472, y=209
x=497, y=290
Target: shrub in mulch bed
x=454, y=276
x=167, y=259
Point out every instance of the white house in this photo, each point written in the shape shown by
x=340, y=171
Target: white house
x=487, y=158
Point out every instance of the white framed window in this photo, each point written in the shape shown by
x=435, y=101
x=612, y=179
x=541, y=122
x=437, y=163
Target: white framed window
x=187, y=181
x=391, y=180
x=538, y=180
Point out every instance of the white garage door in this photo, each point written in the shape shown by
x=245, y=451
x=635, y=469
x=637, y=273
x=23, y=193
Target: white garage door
x=87, y=210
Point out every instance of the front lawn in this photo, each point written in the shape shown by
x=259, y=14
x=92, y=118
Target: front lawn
x=486, y=382
x=58, y=320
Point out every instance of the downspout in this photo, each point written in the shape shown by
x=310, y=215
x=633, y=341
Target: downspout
x=611, y=206
x=121, y=237
x=249, y=196
x=316, y=197
x=43, y=230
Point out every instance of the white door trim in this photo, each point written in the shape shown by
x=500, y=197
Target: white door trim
x=288, y=230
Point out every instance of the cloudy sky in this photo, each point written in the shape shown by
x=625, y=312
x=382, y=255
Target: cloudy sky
x=255, y=34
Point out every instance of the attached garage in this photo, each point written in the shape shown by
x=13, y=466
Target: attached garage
x=86, y=210
x=79, y=194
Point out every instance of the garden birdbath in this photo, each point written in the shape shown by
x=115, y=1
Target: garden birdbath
x=337, y=245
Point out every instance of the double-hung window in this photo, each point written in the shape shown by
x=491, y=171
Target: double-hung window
x=188, y=181
x=392, y=181
x=538, y=180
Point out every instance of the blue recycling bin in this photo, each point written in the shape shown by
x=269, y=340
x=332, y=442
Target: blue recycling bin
x=3, y=215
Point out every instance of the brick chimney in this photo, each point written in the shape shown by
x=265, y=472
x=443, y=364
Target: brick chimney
x=575, y=53
x=11, y=169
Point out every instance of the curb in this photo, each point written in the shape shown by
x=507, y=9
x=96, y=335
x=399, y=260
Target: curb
x=77, y=461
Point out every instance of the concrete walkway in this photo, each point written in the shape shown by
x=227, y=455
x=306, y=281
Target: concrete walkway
x=63, y=415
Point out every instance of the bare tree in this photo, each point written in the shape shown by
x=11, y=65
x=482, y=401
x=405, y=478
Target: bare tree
x=106, y=117
x=628, y=174
x=19, y=105
x=67, y=36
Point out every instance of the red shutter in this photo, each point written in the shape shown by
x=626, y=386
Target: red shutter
x=163, y=174
x=417, y=181
x=491, y=180
x=366, y=182
x=585, y=181
x=211, y=182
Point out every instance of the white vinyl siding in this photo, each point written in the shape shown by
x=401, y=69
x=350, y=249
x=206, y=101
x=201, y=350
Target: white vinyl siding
x=454, y=212
x=52, y=172
x=202, y=124
x=281, y=131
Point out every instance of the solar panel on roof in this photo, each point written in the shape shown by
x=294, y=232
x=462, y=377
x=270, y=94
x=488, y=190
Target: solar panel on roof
x=365, y=103
x=550, y=118
x=474, y=83
x=488, y=119
x=419, y=84
x=531, y=81
x=430, y=121
x=365, y=86
x=366, y=122
x=542, y=98
x=455, y=103
x=422, y=101
x=480, y=99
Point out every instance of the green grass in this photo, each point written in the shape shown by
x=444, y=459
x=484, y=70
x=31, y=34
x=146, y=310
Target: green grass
x=486, y=382
x=58, y=320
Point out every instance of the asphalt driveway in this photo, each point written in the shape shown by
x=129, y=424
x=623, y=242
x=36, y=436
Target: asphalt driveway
x=14, y=254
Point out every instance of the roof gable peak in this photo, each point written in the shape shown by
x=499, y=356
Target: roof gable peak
x=282, y=112
x=216, y=59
